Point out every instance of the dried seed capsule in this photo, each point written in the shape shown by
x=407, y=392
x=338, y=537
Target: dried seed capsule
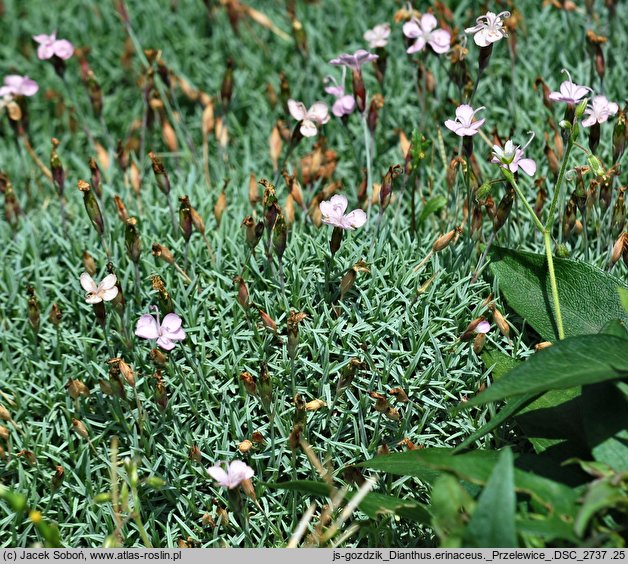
x=132, y=240
x=34, y=310
x=478, y=342
x=195, y=454
x=248, y=381
x=91, y=207
x=57, y=478
x=399, y=394
x=501, y=322
x=56, y=168
x=89, y=264
x=543, y=345
x=161, y=175
x=163, y=253
x=79, y=428
x=243, y=292
x=294, y=319
x=245, y=446
x=96, y=176
x=76, y=388
x=314, y=405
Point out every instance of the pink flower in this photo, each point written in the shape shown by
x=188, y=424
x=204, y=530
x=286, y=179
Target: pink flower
x=489, y=28
x=511, y=158
x=599, y=111
x=333, y=213
x=318, y=114
x=425, y=33
x=237, y=471
x=345, y=103
x=570, y=92
x=483, y=327
x=49, y=46
x=16, y=85
x=464, y=124
x=378, y=36
x=96, y=293
x=165, y=333
x=355, y=61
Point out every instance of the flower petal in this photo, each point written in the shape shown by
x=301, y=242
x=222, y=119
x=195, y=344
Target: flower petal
x=28, y=87
x=178, y=335
x=63, y=49
x=482, y=38
x=319, y=112
x=171, y=323
x=297, y=109
x=428, y=22
x=87, y=282
x=93, y=299
x=43, y=38
x=108, y=282
x=218, y=474
x=308, y=128
x=110, y=294
x=464, y=114
x=411, y=29
x=419, y=45
x=45, y=51
x=440, y=41
x=355, y=219
x=147, y=327
x=165, y=343
x=528, y=166
x=483, y=327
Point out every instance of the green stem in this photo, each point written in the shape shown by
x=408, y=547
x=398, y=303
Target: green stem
x=369, y=175
x=547, y=240
x=559, y=182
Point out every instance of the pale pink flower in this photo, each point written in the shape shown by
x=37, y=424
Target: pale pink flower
x=570, y=92
x=599, y=111
x=166, y=332
x=483, y=327
x=318, y=114
x=345, y=103
x=237, y=471
x=425, y=33
x=96, y=293
x=464, y=125
x=489, y=28
x=333, y=213
x=378, y=36
x=49, y=46
x=16, y=85
x=355, y=61
x=512, y=158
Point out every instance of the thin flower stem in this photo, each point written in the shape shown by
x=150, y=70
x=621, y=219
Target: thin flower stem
x=559, y=182
x=547, y=240
x=511, y=179
x=369, y=175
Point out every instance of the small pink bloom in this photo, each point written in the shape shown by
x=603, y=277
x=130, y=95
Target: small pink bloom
x=599, y=111
x=570, y=92
x=318, y=114
x=343, y=106
x=489, y=28
x=49, y=46
x=425, y=33
x=464, y=124
x=483, y=327
x=96, y=293
x=333, y=213
x=237, y=471
x=165, y=333
x=355, y=61
x=15, y=85
x=512, y=158
x=378, y=36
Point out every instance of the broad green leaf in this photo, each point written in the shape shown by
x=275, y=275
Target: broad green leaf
x=450, y=505
x=548, y=528
x=615, y=327
x=605, y=415
x=499, y=363
x=373, y=505
x=577, y=361
x=623, y=296
x=475, y=467
x=493, y=522
x=432, y=206
x=588, y=296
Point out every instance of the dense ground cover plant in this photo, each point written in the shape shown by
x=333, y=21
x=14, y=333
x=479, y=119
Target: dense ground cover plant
x=312, y=274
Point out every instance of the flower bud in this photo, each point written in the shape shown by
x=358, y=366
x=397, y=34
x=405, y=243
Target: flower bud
x=385, y=192
x=359, y=91
x=294, y=319
x=243, y=292
x=195, y=454
x=619, y=136
x=267, y=320
x=503, y=209
x=158, y=358
x=618, y=249
x=582, y=105
x=445, y=240
x=226, y=88
x=160, y=395
x=56, y=168
x=76, y=389
x=163, y=253
x=100, y=313
x=253, y=232
x=91, y=207
x=120, y=208
x=377, y=103
x=57, y=478
x=33, y=308
x=55, y=315
x=79, y=428
x=336, y=240
x=399, y=394
x=348, y=373
x=280, y=236
x=127, y=373
x=265, y=387
x=219, y=208
x=185, y=218
x=569, y=217
x=248, y=381
x=89, y=264
x=132, y=240
x=618, y=219
x=95, y=170
x=501, y=322
x=245, y=446
x=163, y=297
x=161, y=176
